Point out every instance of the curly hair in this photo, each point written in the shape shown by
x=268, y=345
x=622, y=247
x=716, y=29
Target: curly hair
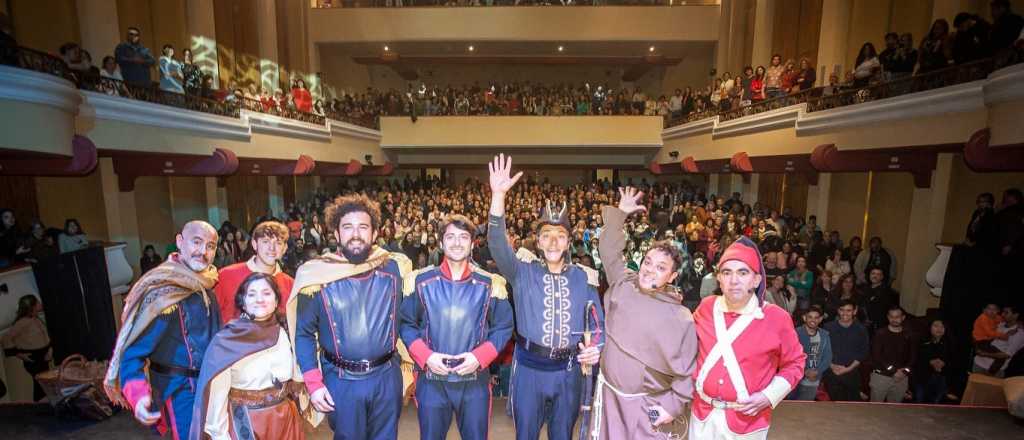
x=344, y=205
x=666, y=247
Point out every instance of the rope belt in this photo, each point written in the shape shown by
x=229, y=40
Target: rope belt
x=599, y=402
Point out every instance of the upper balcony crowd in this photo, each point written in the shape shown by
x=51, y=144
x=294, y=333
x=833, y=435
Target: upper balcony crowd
x=968, y=51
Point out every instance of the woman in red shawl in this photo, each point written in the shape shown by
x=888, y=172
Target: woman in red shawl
x=246, y=387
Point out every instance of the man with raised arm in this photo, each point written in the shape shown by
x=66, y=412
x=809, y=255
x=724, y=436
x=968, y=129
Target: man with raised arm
x=454, y=319
x=749, y=358
x=343, y=317
x=646, y=380
x=552, y=301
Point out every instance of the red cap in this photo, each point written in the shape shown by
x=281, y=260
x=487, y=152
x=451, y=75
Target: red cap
x=740, y=252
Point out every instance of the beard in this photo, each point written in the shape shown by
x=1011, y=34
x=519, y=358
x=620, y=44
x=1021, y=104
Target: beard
x=197, y=264
x=356, y=256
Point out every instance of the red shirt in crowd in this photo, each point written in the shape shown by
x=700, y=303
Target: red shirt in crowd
x=232, y=276
x=303, y=100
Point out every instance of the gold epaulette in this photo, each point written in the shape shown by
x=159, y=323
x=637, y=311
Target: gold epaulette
x=409, y=281
x=311, y=289
x=404, y=263
x=170, y=309
x=499, y=287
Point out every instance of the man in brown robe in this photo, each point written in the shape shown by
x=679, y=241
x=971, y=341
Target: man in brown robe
x=646, y=380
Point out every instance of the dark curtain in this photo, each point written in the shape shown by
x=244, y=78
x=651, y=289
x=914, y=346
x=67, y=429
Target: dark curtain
x=970, y=283
x=76, y=298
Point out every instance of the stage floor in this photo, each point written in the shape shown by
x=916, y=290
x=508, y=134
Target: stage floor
x=793, y=421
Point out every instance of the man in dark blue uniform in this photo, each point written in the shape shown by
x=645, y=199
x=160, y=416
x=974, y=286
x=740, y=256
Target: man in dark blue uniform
x=552, y=301
x=454, y=320
x=170, y=316
x=343, y=315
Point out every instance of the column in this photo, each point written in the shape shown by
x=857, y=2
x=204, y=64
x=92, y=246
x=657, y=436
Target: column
x=832, y=41
x=724, y=35
x=927, y=219
x=764, y=20
x=97, y=20
x=202, y=35
x=817, y=199
x=276, y=198
x=266, y=21
x=735, y=184
x=212, y=205
x=122, y=220
x=751, y=189
x=713, y=184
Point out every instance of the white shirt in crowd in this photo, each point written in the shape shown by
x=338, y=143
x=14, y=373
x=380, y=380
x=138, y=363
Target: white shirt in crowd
x=1009, y=346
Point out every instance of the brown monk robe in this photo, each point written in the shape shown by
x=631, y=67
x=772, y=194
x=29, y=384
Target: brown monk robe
x=650, y=351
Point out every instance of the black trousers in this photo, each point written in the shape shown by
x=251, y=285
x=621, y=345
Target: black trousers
x=845, y=388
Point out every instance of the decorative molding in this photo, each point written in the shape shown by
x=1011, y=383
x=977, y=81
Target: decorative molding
x=694, y=128
x=38, y=88
x=981, y=157
x=116, y=108
x=264, y=123
x=953, y=99
x=346, y=129
x=82, y=161
x=770, y=120
x=1006, y=84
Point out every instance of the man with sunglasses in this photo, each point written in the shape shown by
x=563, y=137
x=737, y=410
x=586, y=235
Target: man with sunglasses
x=134, y=58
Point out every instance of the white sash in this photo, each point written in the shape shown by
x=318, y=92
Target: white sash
x=723, y=350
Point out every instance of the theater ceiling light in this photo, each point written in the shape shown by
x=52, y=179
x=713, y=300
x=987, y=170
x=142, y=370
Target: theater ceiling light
x=561, y=48
x=471, y=48
x=650, y=49
x=387, y=49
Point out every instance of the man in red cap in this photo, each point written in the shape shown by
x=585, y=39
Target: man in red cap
x=749, y=356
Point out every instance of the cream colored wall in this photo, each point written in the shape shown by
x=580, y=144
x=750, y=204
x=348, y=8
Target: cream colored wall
x=188, y=200
x=154, y=212
x=693, y=23
x=45, y=28
x=522, y=131
x=691, y=72
x=846, y=204
x=889, y=212
x=964, y=187
x=61, y=198
x=1004, y=123
x=35, y=127
x=341, y=74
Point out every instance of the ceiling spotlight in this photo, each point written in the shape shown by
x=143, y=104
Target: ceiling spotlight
x=471, y=48
x=650, y=49
x=561, y=48
x=387, y=49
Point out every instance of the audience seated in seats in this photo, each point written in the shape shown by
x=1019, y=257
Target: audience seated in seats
x=929, y=372
x=73, y=238
x=893, y=354
x=996, y=338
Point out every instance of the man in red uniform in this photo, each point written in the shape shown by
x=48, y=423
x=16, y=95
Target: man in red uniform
x=270, y=241
x=749, y=357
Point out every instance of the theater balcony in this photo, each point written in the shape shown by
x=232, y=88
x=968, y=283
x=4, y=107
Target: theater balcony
x=902, y=160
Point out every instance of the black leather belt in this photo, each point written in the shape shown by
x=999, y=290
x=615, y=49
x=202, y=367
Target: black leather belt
x=171, y=370
x=560, y=354
x=360, y=366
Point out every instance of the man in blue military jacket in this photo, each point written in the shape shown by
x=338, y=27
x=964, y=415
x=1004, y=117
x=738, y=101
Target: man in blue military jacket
x=169, y=317
x=455, y=319
x=343, y=315
x=552, y=301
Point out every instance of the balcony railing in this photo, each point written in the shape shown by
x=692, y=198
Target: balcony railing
x=255, y=105
x=152, y=93
x=368, y=121
x=322, y=4
x=32, y=59
x=949, y=76
x=768, y=105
